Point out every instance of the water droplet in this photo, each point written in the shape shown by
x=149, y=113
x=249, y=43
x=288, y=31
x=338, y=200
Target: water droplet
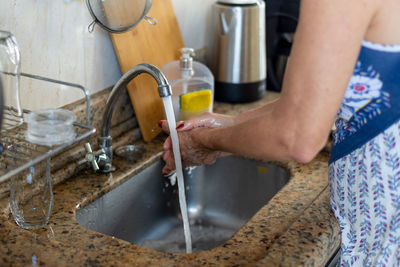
x=29, y=178
x=34, y=260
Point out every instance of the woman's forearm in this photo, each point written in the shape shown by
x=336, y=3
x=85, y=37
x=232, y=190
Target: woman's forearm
x=274, y=132
x=254, y=135
x=254, y=113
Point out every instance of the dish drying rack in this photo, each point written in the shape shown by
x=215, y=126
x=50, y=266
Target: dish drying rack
x=17, y=154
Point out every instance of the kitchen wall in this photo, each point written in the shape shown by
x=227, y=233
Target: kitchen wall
x=194, y=17
x=54, y=42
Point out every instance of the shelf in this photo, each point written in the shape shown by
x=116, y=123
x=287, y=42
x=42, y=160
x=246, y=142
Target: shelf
x=17, y=154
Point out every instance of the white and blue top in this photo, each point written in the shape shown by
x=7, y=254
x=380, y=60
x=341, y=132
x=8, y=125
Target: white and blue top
x=365, y=160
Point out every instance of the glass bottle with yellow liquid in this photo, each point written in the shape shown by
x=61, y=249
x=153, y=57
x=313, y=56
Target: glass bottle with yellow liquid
x=192, y=85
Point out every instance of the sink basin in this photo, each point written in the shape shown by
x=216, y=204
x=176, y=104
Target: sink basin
x=221, y=198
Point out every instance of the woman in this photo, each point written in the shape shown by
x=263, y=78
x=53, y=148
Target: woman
x=344, y=66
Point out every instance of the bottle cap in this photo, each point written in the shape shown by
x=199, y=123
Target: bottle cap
x=186, y=60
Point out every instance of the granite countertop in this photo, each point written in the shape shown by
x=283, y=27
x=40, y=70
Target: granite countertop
x=296, y=227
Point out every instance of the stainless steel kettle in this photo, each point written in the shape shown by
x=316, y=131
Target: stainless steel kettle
x=237, y=50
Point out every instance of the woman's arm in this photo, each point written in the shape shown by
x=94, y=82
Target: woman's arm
x=296, y=126
x=324, y=53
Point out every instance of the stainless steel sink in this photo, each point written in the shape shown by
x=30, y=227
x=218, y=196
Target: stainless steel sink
x=221, y=198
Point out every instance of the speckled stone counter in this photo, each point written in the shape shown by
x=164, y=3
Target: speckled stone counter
x=296, y=227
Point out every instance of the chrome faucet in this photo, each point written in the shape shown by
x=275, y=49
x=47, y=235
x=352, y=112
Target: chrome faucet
x=102, y=160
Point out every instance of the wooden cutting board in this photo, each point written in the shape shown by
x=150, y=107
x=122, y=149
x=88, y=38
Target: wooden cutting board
x=157, y=45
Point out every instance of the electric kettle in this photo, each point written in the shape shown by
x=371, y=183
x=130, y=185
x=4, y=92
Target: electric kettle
x=237, y=50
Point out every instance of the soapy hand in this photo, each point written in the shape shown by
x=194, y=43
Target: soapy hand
x=207, y=120
x=194, y=153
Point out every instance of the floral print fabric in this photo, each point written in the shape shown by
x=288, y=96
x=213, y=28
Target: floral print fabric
x=365, y=197
x=365, y=179
x=371, y=102
x=363, y=100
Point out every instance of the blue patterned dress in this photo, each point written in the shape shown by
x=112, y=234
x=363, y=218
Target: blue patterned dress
x=365, y=160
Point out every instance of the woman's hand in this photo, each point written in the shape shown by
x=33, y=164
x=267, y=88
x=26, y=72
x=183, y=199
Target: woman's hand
x=192, y=152
x=207, y=120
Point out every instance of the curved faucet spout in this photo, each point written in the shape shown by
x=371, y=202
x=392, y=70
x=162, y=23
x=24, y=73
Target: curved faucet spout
x=105, y=140
x=164, y=89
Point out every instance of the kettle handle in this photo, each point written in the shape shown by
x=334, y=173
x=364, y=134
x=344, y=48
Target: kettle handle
x=227, y=19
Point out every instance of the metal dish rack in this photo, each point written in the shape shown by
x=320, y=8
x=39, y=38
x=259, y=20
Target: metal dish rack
x=17, y=154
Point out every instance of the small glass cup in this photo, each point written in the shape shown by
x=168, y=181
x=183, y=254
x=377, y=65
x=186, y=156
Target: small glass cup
x=10, y=62
x=49, y=127
x=31, y=196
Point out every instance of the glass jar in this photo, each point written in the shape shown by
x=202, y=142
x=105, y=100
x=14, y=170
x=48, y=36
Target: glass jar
x=31, y=195
x=10, y=62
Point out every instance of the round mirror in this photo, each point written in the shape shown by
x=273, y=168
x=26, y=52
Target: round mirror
x=118, y=16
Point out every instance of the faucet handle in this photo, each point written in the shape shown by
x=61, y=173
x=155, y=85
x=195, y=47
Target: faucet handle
x=92, y=156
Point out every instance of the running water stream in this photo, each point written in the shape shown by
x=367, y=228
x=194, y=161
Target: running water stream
x=169, y=111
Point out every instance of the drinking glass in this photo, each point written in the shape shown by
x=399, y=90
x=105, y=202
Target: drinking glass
x=10, y=62
x=31, y=195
